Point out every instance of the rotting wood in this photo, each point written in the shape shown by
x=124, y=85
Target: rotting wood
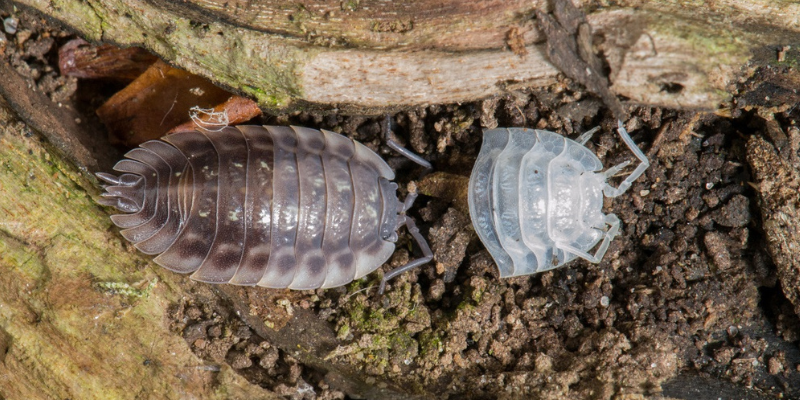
x=569, y=48
x=57, y=124
x=666, y=53
x=450, y=25
x=778, y=185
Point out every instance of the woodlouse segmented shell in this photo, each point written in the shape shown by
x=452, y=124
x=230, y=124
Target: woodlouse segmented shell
x=280, y=207
x=536, y=199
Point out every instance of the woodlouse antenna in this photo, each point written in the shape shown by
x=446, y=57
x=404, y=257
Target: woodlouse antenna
x=400, y=149
x=427, y=254
x=611, y=191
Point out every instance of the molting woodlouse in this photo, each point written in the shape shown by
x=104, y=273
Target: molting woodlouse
x=273, y=206
x=536, y=198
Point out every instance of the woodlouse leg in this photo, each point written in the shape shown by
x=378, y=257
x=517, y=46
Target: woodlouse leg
x=583, y=138
x=613, y=229
x=611, y=191
x=423, y=245
x=615, y=169
x=400, y=149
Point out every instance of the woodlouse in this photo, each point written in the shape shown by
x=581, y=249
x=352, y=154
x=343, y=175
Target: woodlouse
x=536, y=199
x=274, y=206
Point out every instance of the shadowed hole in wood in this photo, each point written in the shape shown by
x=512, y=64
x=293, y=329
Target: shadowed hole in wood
x=671, y=87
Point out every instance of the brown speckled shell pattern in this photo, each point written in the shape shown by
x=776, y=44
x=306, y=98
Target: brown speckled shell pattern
x=274, y=206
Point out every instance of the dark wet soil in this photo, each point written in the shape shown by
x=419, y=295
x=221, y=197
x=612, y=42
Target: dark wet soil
x=686, y=303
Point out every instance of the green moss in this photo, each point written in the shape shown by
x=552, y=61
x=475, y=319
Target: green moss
x=379, y=339
x=720, y=46
x=430, y=345
x=462, y=119
x=16, y=253
x=355, y=285
x=343, y=332
x=366, y=316
x=403, y=346
x=350, y=5
x=465, y=306
x=366, y=319
x=89, y=21
x=124, y=289
x=379, y=342
x=256, y=63
x=791, y=58
x=477, y=294
x=300, y=17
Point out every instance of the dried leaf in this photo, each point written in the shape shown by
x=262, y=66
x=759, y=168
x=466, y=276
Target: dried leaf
x=156, y=101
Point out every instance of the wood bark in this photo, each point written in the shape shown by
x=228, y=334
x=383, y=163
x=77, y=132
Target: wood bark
x=364, y=56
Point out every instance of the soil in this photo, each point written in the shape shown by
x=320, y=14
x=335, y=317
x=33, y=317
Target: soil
x=687, y=302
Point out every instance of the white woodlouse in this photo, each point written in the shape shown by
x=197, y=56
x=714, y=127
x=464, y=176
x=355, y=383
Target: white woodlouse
x=536, y=198
x=273, y=206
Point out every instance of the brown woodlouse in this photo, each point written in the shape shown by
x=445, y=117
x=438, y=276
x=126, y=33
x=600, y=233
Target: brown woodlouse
x=273, y=206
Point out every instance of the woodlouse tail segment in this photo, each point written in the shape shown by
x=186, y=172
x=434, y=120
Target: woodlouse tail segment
x=123, y=193
x=427, y=254
x=147, y=193
x=611, y=191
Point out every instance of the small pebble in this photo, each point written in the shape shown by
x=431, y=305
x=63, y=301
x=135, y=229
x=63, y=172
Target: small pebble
x=10, y=25
x=215, y=331
x=605, y=301
x=733, y=331
x=239, y=360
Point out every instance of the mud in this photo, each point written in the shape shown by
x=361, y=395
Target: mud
x=687, y=297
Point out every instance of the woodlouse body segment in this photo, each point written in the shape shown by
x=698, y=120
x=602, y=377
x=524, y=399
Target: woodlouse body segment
x=279, y=207
x=536, y=199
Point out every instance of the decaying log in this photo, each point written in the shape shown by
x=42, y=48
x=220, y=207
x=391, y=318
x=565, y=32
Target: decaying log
x=778, y=186
x=371, y=56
